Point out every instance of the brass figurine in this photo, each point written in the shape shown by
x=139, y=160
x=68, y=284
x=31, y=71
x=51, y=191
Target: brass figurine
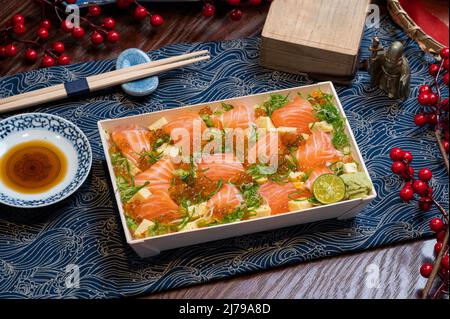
x=389, y=70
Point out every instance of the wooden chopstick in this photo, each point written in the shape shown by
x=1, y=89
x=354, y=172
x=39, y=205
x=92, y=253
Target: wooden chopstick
x=97, y=84
x=102, y=76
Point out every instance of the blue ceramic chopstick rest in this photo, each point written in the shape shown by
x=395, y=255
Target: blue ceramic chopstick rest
x=141, y=87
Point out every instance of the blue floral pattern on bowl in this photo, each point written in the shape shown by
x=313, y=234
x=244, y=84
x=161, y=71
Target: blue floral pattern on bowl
x=70, y=132
x=142, y=87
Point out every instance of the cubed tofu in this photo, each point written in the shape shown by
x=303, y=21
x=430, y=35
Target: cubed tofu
x=295, y=205
x=321, y=127
x=142, y=195
x=158, y=124
x=143, y=227
x=197, y=211
x=134, y=170
x=265, y=122
x=190, y=226
x=305, y=136
x=296, y=176
x=261, y=211
x=299, y=185
x=262, y=180
x=286, y=129
x=350, y=168
x=164, y=149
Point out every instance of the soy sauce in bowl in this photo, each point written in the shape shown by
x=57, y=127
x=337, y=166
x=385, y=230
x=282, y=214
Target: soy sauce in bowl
x=33, y=167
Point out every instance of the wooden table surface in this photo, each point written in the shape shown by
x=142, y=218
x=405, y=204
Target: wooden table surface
x=348, y=276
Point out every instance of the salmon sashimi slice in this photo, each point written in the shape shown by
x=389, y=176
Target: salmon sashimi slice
x=316, y=172
x=298, y=113
x=317, y=151
x=159, y=176
x=266, y=149
x=187, y=129
x=132, y=141
x=220, y=166
x=239, y=117
x=278, y=195
x=225, y=201
x=158, y=207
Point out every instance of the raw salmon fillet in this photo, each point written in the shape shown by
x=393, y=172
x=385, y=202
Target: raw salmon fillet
x=278, y=195
x=226, y=200
x=239, y=117
x=316, y=172
x=158, y=207
x=220, y=166
x=159, y=175
x=317, y=150
x=298, y=113
x=188, y=121
x=132, y=140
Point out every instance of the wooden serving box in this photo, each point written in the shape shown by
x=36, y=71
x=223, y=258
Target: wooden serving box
x=319, y=37
x=154, y=245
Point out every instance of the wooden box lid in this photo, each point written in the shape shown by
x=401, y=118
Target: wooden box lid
x=319, y=31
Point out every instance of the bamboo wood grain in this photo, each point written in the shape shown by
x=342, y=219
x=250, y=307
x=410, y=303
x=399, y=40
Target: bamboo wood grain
x=102, y=76
x=107, y=79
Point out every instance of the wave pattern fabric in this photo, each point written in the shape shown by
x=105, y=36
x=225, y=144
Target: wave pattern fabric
x=43, y=250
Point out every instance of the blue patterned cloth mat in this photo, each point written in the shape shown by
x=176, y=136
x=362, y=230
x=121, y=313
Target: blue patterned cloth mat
x=39, y=249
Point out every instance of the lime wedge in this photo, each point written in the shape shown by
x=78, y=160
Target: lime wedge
x=329, y=188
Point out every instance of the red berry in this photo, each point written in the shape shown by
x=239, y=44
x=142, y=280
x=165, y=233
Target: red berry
x=440, y=236
x=396, y=154
x=433, y=99
x=58, y=47
x=208, y=10
x=426, y=270
x=95, y=10
x=444, y=262
x=425, y=174
x=48, y=61
x=2, y=51
x=445, y=64
x=18, y=19
x=406, y=194
x=407, y=157
x=445, y=78
x=45, y=24
x=255, y=2
x=431, y=118
x=113, y=36
x=10, y=50
x=31, y=55
x=446, y=136
x=96, y=38
x=436, y=224
x=71, y=1
x=19, y=28
x=78, y=33
x=424, y=98
x=42, y=33
x=444, y=104
x=408, y=175
x=64, y=59
x=66, y=25
x=444, y=53
x=437, y=247
x=109, y=23
x=140, y=13
x=398, y=167
x=433, y=69
x=233, y=2
x=445, y=145
x=424, y=88
x=236, y=14
x=420, y=119
x=425, y=203
x=156, y=20
x=420, y=187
